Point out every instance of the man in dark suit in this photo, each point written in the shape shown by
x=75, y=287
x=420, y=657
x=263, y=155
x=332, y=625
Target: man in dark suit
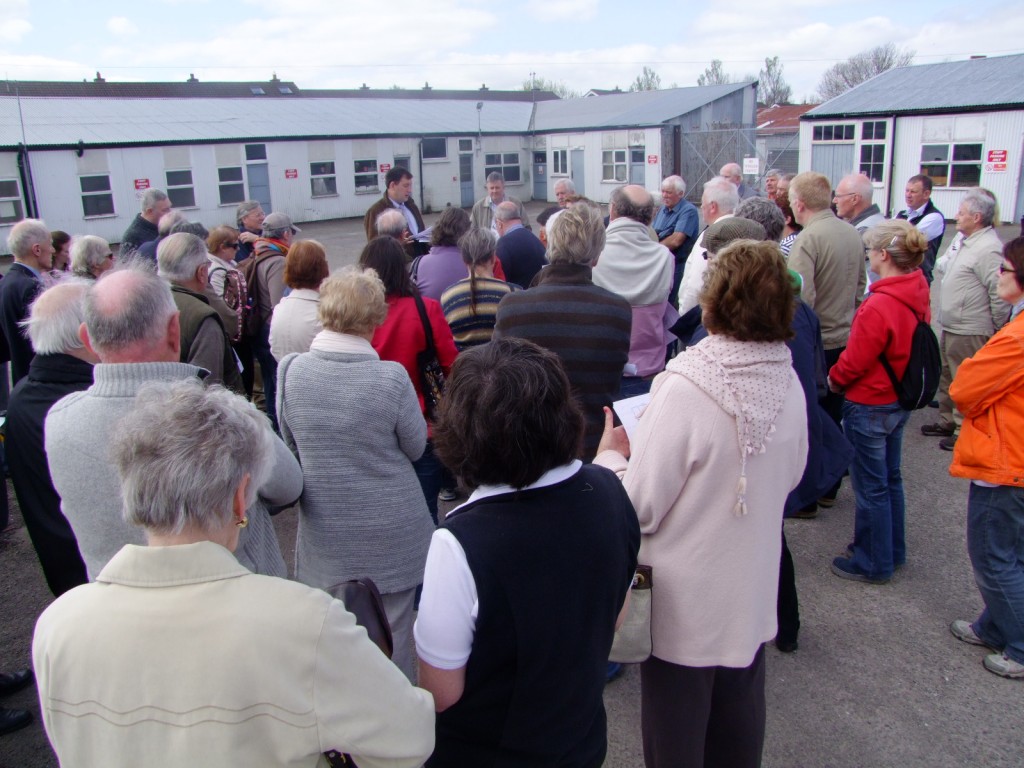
x=30, y=243
x=520, y=252
x=399, y=197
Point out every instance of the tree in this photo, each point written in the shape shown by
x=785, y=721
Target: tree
x=561, y=90
x=773, y=88
x=841, y=77
x=647, y=80
x=714, y=75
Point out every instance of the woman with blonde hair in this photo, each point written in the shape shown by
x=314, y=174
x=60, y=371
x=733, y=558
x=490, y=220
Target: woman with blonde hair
x=873, y=418
x=355, y=425
x=296, y=322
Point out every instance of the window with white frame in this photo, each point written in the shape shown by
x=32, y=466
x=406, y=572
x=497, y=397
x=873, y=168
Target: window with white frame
x=505, y=163
x=560, y=162
x=322, y=180
x=434, y=149
x=10, y=202
x=952, y=165
x=231, y=184
x=872, y=149
x=613, y=165
x=841, y=132
x=465, y=145
x=180, y=190
x=255, y=152
x=97, y=199
x=366, y=177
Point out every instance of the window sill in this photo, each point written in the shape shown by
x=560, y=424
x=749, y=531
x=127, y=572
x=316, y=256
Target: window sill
x=320, y=197
x=435, y=160
x=100, y=216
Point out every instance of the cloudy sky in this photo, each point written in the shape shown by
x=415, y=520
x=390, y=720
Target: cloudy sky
x=465, y=43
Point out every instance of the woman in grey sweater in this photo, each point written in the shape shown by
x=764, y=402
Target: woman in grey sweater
x=355, y=425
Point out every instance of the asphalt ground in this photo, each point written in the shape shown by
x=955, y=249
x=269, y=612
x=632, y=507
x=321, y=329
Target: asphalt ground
x=877, y=681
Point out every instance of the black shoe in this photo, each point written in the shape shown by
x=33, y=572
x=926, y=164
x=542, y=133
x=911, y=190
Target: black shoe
x=948, y=443
x=13, y=720
x=786, y=645
x=11, y=682
x=938, y=429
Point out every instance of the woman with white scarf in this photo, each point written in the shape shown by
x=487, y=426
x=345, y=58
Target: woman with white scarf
x=721, y=445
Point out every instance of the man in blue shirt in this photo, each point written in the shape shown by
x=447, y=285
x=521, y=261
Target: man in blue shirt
x=676, y=224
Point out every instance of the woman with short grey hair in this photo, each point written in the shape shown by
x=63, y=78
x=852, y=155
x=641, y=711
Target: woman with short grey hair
x=91, y=256
x=178, y=651
x=355, y=425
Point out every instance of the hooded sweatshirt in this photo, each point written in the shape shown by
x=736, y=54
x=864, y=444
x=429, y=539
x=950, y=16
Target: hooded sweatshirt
x=884, y=323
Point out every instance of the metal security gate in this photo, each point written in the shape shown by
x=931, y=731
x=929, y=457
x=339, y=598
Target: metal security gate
x=703, y=153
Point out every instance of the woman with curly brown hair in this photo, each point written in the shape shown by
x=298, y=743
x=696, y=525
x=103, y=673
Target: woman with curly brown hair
x=716, y=453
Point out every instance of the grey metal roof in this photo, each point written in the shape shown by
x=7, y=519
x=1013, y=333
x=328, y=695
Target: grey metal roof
x=951, y=86
x=51, y=122
x=618, y=110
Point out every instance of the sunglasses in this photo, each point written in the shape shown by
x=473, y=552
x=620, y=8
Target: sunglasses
x=231, y=245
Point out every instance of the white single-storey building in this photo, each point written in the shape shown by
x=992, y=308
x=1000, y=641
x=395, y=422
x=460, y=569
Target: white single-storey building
x=80, y=155
x=961, y=123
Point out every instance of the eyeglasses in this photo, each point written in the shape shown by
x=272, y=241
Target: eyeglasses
x=845, y=194
x=109, y=256
x=231, y=245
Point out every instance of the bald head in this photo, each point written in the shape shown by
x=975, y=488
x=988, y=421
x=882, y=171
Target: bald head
x=732, y=172
x=853, y=195
x=507, y=211
x=130, y=317
x=631, y=202
x=392, y=223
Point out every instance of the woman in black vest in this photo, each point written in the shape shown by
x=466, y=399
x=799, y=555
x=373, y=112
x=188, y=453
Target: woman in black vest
x=525, y=581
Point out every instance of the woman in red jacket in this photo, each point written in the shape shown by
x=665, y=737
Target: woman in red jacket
x=402, y=337
x=873, y=419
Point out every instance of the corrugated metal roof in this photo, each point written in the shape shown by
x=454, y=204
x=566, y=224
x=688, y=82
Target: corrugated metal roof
x=616, y=110
x=783, y=118
x=104, y=121
x=947, y=87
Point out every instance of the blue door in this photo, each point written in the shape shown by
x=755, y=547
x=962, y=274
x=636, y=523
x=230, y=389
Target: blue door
x=577, y=172
x=259, y=184
x=540, y=175
x=466, y=180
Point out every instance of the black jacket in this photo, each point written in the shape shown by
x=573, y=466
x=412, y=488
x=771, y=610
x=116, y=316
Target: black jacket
x=17, y=292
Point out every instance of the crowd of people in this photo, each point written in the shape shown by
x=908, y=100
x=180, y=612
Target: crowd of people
x=168, y=402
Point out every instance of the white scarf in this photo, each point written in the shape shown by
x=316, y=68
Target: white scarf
x=749, y=380
x=345, y=343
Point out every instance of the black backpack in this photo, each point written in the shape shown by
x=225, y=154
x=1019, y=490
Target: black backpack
x=920, y=380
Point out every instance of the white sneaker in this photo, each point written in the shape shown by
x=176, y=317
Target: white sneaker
x=1000, y=664
x=963, y=631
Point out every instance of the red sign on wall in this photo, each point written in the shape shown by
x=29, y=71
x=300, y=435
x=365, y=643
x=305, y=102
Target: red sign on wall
x=385, y=167
x=141, y=184
x=997, y=155
x=652, y=159
x=291, y=173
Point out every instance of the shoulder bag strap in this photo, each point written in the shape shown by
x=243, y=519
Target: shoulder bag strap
x=427, y=330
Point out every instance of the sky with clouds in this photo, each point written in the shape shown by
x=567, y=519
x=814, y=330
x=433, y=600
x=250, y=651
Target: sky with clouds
x=466, y=43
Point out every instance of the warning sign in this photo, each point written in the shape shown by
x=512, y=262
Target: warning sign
x=995, y=167
x=385, y=167
x=141, y=184
x=751, y=166
x=997, y=155
x=291, y=173
x=652, y=159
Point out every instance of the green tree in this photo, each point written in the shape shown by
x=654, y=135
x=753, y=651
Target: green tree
x=647, y=80
x=560, y=89
x=714, y=75
x=841, y=77
x=772, y=88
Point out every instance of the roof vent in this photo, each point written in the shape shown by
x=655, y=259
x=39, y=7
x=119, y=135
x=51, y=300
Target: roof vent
x=192, y=78
x=484, y=87
x=273, y=77
x=364, y=87
x=256, y=90
x=99, y=78
x=426, y=87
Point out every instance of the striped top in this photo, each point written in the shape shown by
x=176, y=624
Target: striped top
x=585, y=325
x=472, y=327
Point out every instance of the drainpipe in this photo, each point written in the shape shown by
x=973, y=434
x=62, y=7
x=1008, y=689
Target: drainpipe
x=892, y=167
x=419, y=153
x=25, y=173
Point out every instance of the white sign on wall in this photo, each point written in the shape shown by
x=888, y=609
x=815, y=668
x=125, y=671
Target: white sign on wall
x=751, y=166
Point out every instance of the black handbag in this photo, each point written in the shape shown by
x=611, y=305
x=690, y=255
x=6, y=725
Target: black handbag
x=431, y=373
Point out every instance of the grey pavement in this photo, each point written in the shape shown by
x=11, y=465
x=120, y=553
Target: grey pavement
x=878, y=679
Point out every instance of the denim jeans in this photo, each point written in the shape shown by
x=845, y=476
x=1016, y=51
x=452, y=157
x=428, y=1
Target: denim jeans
x=876, y=433
x=428, y=472
x=995, y=542
x=268, y=369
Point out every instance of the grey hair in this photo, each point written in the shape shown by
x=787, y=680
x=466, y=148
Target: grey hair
x=772, y=173
x=764, y=212
x=190, y=227
x=244, y=209
x=723, y=192
x=55, y=317
x=628, y=208
x=151, y=197
x=570, y=188
x=87, y=253
x=507, y=211
x=576, y=235
x=860, y=184
x=167, y=221
x=179, y=256
x=676, y=182
x=25, y=234
x=983, y=204
x=477, y=246
x=137, y=312
x=391, y=223
x=494, y=176
x=275, y=234
x=182, y=451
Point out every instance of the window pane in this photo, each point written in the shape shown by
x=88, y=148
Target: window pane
x=847, y=132
x=95, y=183
x=511, y=158
x=818, y=132
x=607, y=172
x=465, y=145
x=967, y=151
x=608, y=157
x=867, y=131
x=324, y=185
x=492, y=159
x=231, y=193
x=966, y=176
x=9, y=188
x=865, y=153
x=620, y=155
x=230, y=174
x=365, y=166
x=179, y=178
x=620, y=173
x=10, y=211
x=255, y=151
x=98, y=205
x=366, y=182
x=435, y=149
x=636, y=155
x=880, y=129
x=321, y=169
x=826, y=132
x=540, y=158
x=182, y=197
x=937, y=173
x=511, y=174
x=935, y=153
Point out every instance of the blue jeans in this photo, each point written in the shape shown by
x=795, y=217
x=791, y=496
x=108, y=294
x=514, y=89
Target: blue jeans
x=876, y=433
x=632, y=386
x=268, y=368
x=995, y=542
x=428, y=472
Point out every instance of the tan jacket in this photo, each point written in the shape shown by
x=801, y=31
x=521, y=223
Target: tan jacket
x=968, y=302
x=179, y=656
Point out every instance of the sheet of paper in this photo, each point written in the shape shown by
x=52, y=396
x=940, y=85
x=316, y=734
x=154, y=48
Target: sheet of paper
x=629, y=411
x=424, y=236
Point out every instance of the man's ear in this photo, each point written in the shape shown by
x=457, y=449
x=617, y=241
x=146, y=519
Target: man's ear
x=83, y=334
x=174, y=335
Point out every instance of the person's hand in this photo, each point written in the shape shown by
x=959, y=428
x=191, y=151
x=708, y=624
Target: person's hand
x=614, y=438
x=833, y=387
x=248, y=237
